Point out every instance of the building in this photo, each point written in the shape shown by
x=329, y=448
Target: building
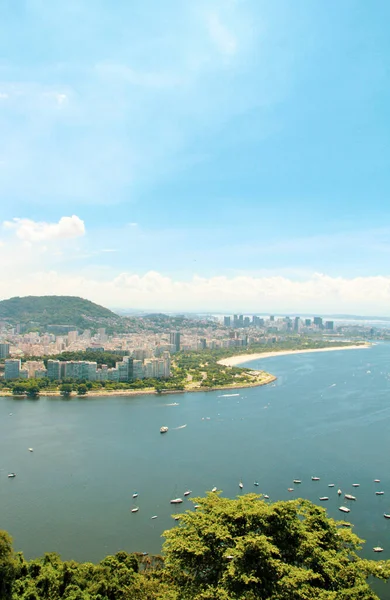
x=174, y=339
x=4, y=350
x=12, y=368
x=297, y=324
x=227, y=321
x=307, y=322
x=318, y=322
x=72, y=337
x=54, y=370
x=329, y=325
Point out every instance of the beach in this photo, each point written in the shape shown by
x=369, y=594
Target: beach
x=234, y=361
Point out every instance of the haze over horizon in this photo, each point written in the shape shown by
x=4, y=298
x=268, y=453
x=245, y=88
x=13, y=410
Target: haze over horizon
x=228, y=155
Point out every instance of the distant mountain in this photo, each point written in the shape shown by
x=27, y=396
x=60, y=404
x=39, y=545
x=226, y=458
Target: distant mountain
x=44, y=311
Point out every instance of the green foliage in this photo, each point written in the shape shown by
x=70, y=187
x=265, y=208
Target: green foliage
x=247, y=549
x=242, y=549
x=55, y=310
x=82, y=389
x=66, y=389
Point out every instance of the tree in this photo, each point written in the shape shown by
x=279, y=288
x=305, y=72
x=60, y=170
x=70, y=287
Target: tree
x=18, y=389
x=32, y=390
x=65, y=389
x=82, y=389
x=7, y=565
x=248, y=549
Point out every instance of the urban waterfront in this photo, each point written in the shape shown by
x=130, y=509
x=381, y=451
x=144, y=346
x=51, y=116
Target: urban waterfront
x=327, y=415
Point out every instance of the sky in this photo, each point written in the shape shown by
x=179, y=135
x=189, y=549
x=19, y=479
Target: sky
x=217, y=155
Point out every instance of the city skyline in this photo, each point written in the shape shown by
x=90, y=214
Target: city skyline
x=218, y=157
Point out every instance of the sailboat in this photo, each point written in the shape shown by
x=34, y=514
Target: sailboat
x=240, y=485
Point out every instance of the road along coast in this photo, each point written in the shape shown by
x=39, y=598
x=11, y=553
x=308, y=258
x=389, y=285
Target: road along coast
x=234, y=361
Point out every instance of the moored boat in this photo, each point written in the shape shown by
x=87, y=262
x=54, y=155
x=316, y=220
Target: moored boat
x=297, y=481
x=339, y=492
x=387, y=516
x=31, y=449
x=240, y=485
x=290, y=489
x=187, y=493
x=135, y=509
x=344, y=509
x=135, y=495
x=154, y=517
x=356, y=485
x=324, y=498
x=330, y=484
x=379, y=493
x=315, y=478
x=377, y=480
x=11, y=475
x=256, y=483
x=266, y=496
x=163, y=429
x=214, y=489
x=378, y=549
x=349, y=497
x=176, y=501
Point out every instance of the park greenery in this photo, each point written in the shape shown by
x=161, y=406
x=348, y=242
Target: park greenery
x=196, y=370
x=225, y=549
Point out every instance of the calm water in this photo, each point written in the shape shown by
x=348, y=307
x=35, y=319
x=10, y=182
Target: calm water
x=327, y=415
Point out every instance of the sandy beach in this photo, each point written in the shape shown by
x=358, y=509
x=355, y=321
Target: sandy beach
x=234, y=361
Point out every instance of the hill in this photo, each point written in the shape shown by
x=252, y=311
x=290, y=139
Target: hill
x=46, y=311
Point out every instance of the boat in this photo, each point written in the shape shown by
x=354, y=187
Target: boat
x=377, y=480
x=154, y=517
x=379, y=493
x=297, y=481
x=135, y=495
x=386, y=516
x=339, y=492
x=330, y=484
x=31, y=449
x=266, y=497
x=349, y=497
x=135, y=509
x=214, y=489
x=315, y=478
x=240, y=485
x=344, y=509
x=176, y=501
x=197, y=506
x=187, y=493
x=356, y=485
x=290, y=489
x=378, y=549
x=10, y=475
x=163, y=429
x=323, y=498
x=256, y=483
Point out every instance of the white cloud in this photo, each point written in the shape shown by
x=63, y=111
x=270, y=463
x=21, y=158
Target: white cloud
x=3, y=96
x=223, y=39
x=38, y=231
x=316, y=294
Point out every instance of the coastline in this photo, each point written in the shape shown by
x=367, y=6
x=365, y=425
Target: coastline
x=239, y=359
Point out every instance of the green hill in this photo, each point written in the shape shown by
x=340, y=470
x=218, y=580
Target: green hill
x=45, y=311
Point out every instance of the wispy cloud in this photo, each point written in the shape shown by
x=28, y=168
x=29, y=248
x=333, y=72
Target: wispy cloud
x=220, y=35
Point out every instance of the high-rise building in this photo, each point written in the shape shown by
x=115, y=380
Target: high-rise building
x=246, y=322
x=54, y=370
x=174, y=339
x=307, y=322
x=72, y=336
x=272, y=318
x=4, y=350
x=296, y=324
x=12, y=368
x=329, y=325
x=227, y=321
x=318, y=322
x=202, y=343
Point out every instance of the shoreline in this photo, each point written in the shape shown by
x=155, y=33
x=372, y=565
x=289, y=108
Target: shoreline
x=239, y=359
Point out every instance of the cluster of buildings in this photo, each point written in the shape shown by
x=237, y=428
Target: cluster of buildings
x=129, y=369
x=272, y=324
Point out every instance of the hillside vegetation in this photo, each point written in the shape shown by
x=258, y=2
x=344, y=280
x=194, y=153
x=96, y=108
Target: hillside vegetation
x=242, y=549
x=56, y=310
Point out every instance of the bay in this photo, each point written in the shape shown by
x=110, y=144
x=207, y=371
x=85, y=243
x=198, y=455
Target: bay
x=327, y=415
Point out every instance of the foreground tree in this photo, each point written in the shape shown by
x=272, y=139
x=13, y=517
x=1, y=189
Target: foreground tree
x=249, y=549
x=66, y=389
x=82, y=389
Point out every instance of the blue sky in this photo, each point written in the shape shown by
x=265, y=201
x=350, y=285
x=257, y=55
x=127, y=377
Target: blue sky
x=227, y=154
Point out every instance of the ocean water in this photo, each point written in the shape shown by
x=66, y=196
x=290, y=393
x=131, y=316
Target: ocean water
x=327, y=415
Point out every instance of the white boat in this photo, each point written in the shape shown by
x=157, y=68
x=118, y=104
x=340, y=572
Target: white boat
x=135, y=495
x=154, y=517
x=290, y=489
x=240, y=485
x=176, y=501
x=344, y=509
x=386, y=516
x=266, y=497
x=379, y=493
x=323, y=498
x=197, y=506
x=135, y=509
x=330, y=484
x=378, y=549
x=187, y=493
x=176, y=517
x=10, y=475
x=315, y=478
x=377, y=480
x=297, y=481
x=356, y=485
x=163, y=429
x=256, y=483
x=349, y=497
x=339, y=492
x=214, y=489
x=31, y=449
